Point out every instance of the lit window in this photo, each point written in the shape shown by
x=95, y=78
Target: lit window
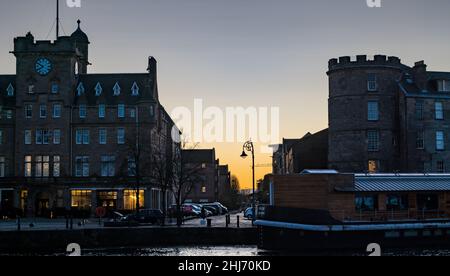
x=83, y=111
x=101, y=111
x=98, y=89
x=27, y=166
x=420, y=141
x=56, y=166
x=57, y=111
x=29, y=111
x=108, y=166
x=80, y=89
x=116, y=89
x=444, y=85
x=81, y=199
x=43, y=111
x=10, y=90
x=82, y=166
x=2, y=166
x=135, y=89
x=130, y=199
x=439, y=111
x=42, y=166
x=372, y=84
x=102, y=136
x=440, y=140
x=121, y=111
x=121, y=136
x=57, y=137
x=373, y=140
x=28, y=137
x=372, y=111
x=203, y=189
x=373, y=166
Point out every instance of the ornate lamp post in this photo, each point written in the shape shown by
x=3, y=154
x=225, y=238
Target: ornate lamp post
x=248, y=146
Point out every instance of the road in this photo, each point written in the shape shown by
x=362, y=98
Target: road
x=60, y=224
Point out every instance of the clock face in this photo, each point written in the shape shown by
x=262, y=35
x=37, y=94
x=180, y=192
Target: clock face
x=43, y=66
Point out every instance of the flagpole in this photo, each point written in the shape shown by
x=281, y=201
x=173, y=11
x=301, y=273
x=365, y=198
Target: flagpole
x=57, y=19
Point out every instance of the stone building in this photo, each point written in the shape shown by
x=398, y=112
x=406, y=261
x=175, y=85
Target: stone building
x=73, y=140
x=385, y=116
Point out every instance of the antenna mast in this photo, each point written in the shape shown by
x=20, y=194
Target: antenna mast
x=57, y=19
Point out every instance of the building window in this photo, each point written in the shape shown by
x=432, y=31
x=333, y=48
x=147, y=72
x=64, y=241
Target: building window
x=82, y=166
x=444, y=85
x=28, y=137
x=439, y=111
x=152, y=111
x=55, y=88
x=366, y=203
x=1, y=137
x=397, y=202
x=83, y=111
x=116, y=89
x=427, y=202
x=31, y=89
x=43, y=111
x=373, y=111
x=2, y=166
x=57, y=111
x=81, y=199
x=57, y=137
x=132, y=166
x=28, y=111
x=132, y=112
x=98, y=89
x=135, y=89
x=372, y=83
x=440, y=167
x=373, y=140
x=130, y=199
x=102, y=135
x=80, y=89
x=27, y=166
x=56, y=166
x=420, y=140
x=42, y=166
x=419, y=110
x=108, y=166
x=203, y=189
x=42, y=137
x=101, y=111
x=10, y=90
x=440, y=140
x=82, y=137
x=373, y=166
x=121, y=136
x=121, y=111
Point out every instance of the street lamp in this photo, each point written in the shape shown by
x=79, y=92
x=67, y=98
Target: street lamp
x=248, y=146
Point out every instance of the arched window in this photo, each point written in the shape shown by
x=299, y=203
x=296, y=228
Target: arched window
x=135, y=89
x=10, y=90
x=116, y=89
x=98, y=89
x=80, y=89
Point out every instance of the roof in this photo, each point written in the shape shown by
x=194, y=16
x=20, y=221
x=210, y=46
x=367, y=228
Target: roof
x=319, y=172
x=410, y=89
x=108, y=81
x=79, y=35
x=401, y=183
x=197, y=156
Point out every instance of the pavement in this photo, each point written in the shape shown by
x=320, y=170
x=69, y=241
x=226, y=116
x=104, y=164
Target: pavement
x=60, y=224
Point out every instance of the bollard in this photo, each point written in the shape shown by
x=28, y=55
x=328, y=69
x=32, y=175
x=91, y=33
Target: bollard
x=238, y=221
x=209, y=223
x=227, y=220
x=18, y=223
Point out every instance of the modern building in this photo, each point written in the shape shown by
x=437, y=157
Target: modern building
x=224, y=183
x=70, y=140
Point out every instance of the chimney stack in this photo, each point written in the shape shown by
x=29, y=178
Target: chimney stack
x=420, y=75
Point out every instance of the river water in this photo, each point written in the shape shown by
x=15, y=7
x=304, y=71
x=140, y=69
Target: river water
x=246, y=251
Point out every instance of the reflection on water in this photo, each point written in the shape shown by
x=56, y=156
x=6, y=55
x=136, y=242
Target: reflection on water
x=247, y=251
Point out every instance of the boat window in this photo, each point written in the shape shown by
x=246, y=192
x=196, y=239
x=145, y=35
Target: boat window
x=365, y=203
x=427, y=202
x=397, y=202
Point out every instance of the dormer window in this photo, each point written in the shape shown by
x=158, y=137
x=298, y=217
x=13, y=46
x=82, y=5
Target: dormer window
x=98, y=89
x=80, y=89
x=10, y=90
x=116, y=89
x=444, y=85
x=135, y=89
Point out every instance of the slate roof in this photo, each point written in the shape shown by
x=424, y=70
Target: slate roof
x=147, y=89
x=410, y=89
x=5, y=80
x=401, y=183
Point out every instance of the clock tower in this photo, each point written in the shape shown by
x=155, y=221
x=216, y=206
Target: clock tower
x=46, y=76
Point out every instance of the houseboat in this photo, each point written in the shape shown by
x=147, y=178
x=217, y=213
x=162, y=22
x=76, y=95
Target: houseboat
x=329, y=210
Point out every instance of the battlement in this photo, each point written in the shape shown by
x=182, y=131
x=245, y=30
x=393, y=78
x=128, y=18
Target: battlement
x=28, y=44
x=363, y=60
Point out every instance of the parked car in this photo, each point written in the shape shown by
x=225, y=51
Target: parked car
x=214, y=211
x=221, y=210
x=153, y=216
x=248, y=213
x=196, y=210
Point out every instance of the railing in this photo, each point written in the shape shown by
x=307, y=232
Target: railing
x=371, y=216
